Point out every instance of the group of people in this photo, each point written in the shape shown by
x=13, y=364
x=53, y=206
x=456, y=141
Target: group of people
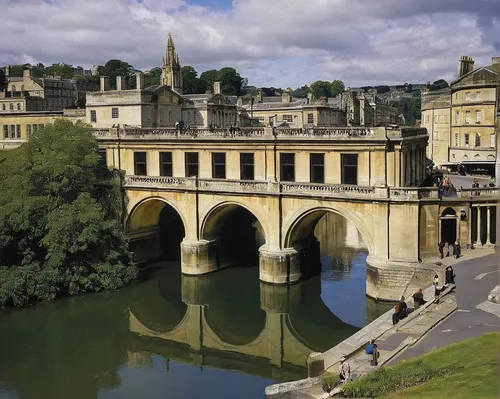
x=445, y=187
x=445, y=247
x=345, y=367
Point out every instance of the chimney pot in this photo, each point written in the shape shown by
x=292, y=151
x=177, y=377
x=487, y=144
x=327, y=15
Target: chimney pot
x=121, y=83
x=139, y=80
x=217, y=89
x=104, y=83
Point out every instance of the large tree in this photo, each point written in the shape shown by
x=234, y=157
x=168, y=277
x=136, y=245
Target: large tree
x=321, y=88
x=191, y=84
x=114, y=68
x=65, y=71
x=301, y=92
x=59, y=219
x=337, y=87
x=208, y=78
x=153, y=76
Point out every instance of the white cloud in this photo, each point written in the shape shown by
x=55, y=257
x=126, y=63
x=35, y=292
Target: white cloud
x=272, y=42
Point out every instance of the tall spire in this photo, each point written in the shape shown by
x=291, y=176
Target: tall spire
x=171, y=75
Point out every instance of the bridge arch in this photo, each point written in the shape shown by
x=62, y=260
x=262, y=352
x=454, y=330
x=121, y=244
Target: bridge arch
x=156, y=227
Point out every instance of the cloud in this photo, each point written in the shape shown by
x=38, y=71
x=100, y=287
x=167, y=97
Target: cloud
x=272, y=42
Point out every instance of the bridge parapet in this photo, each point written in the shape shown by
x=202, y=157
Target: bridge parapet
x=332, y=190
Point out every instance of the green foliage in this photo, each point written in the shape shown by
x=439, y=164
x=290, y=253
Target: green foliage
x=322, y=88
x=114, y=68
x=64, y=71
x=59, y=219
x=190, y=81
x=434, y=369
x=230, y=80
x=152, y=77
x=301, y=92
x=337, y=87
x=438, y=85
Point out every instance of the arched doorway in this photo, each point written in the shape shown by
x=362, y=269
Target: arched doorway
x=156, y=230
x=449, y=224
x=237, y=233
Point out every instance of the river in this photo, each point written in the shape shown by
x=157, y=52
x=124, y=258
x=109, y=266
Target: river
x=224, y=335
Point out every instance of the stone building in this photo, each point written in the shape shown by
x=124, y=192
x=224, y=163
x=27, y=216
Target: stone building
x=294, y=112
x=171, y=70
x=365, y=108
x=56, y=93
x=436, y=111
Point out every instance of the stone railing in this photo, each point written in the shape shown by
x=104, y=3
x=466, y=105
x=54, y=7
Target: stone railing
x=160, y=182
x=480, y=192
x=159, y=133
x=329, y=190
x=337, y=132
x=103, y=133
x=241, y=186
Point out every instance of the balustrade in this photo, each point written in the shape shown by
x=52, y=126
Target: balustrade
x=330, y=190
x=160, y=182
x=237, y=186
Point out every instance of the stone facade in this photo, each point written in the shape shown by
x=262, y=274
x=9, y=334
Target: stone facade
x=365, y=108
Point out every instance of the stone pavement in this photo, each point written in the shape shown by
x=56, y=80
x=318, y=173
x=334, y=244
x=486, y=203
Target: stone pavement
x=490, y=307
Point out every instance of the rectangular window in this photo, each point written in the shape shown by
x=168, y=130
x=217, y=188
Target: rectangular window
x=317, y=171
x=288, y=118
x=287, y=162
x=140, y=165
x=457, y=138
x=93, y=116
x=457, y=117
x=247, y=168
x=492, y=140
x=467, y=96
x=104, y=157
x=467, y=117
x=114, y=113
x=5, y=132
x=349, y=168
x=466, y=139
x=478, y=95
x=478, y=116
x=18, y=131
x=12, y=131
x=166, y=166
x=28, y=130
x=310, y=118
x=478, y=140
x=218, y=165
x=191, y=159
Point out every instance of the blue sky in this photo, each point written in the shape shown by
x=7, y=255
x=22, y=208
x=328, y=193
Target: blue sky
x=284, y=43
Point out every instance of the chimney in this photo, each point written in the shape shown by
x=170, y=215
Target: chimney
x=239, y=102
x=104, y=83
x=121, y=83
x=465, y=65
x=26, y=74
x=309, y=98
x=217, y=88
x=139, y=81
x=286, y=97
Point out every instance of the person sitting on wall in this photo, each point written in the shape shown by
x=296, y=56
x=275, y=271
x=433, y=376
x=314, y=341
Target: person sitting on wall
x=344, y=370
x=449, y=276
x=418, y=299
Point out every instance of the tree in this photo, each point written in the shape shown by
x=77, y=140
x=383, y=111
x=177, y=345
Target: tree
x=438, y=85
x=231, y=81
x=301, y=92
x=59, y=219
x=321, y=88
x=63, y=70
x=191, y=84
x=337, y=87
x=114, y=68
x=208, y=78
x=153, y=77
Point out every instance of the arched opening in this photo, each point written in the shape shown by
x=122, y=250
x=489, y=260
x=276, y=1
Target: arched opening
x=156, y=230
x=449, y=225
x=237, y=233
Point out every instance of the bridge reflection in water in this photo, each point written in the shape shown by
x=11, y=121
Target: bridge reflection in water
x=231, y=320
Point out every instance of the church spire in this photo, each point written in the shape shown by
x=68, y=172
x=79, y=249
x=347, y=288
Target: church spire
x=171, y=74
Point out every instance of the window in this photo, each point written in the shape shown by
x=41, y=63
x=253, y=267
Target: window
x=4, y=107
x=310, y=118
x=457, y=142
x=478, y=140
x=467, y=96
x=478, y=116
x=28, y=130
x=166, y=168
x=478, y=95
x=467, y=117
x=114, y=113
x=466, y=137
x=287, y=162
x=247, y=166
x=492, y=140
x=349, y=168
x=288, y=118
x=5, y=132
x=427, y=118
x=219, y=165
x=18, y=131
x=191, y=164
x=19, y=108
x=93, y=116
x=12, y=131
x=453, y=156
x=103, y=156
x=11, y=106
x=140, y=166
x=457, y=117
x=317, y=171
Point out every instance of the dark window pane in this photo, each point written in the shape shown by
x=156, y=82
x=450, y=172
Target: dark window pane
x=219, y=165
x=317, y=168
x=247, y=166
x=103, y=155
x=166, y=168
x=191, y=164
x=287, y=166
x=140, y=168
x=349, y=168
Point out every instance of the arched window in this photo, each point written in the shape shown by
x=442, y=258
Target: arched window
x=449, y=212
x=4, y=107
x=19, y=106
x=478, y=140
x=13, y=88
x=11, y=106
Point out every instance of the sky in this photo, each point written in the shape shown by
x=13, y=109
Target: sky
x=281, y=43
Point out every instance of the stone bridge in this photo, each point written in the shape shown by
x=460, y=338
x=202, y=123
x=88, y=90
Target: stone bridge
x=400, y=226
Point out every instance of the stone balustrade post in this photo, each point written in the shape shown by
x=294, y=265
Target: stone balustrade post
x=488, y=226
x=478, y=222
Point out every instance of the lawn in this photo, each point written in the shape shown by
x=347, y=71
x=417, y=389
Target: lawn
x=468, y=369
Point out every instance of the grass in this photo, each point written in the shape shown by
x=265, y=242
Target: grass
x=468, y=369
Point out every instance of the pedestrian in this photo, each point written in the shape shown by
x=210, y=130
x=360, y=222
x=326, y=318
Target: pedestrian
x=447, y=248
x=371, y=349
x=456, y=250
x=441, y=248
x=449, y=276
x=344, y=370
x=436, y=280
x=395, y=316
x=418, y=299
x=437, y=292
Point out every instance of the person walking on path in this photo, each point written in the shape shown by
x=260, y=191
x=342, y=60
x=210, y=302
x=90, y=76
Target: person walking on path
x=437, y=293
x=344, y=370
x=447, y=248
x=456, y=250
x=441, y=248
x=449, y=276
x=436, y=280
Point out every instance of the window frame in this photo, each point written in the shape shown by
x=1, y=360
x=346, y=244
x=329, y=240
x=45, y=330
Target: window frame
x=343, y=178
x=477, y=139
x=187, y=164
x=466, y=139
x=218, y=165
x=246, y=165
x=140, y=163
x=166, y=165
x=115, y=112
x=287, y=169
x=316, y=167
x=93, y=116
